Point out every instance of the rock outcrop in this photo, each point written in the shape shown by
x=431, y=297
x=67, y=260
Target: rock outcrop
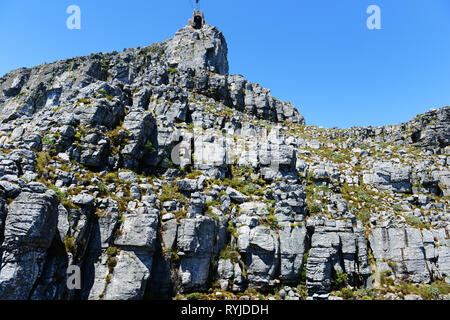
x=156, y=173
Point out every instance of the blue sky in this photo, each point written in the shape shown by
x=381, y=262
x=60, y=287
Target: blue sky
x=318, y=54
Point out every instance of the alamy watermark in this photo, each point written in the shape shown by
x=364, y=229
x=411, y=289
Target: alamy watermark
x=73, y=22
x=374, y=20
x=73, y=277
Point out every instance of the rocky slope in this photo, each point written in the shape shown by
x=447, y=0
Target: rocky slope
x=162, y=176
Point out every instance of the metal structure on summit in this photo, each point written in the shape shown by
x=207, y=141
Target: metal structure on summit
x=198, y=18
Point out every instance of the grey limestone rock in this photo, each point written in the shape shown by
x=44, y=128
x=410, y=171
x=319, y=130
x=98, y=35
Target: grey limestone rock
x=411, y=252
x=30, y=227
x=131, y=273
x=205, y=48
x=139, y=229
x=387, y=176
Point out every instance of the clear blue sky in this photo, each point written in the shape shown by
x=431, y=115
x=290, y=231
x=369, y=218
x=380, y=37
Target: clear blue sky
x=318, y=54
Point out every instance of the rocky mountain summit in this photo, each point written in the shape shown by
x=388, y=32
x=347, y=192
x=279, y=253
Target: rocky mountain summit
x=160, y=175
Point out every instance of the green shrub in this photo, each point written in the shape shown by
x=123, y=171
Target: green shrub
x=272, y=221
x=367, y=294
x=150, y=146
x=338, y=280
x=61, y=195
x=231, y=230
x=102, y=188
x=433, y=292
x=230, y=253
x=42, y=161
x=69, y=244
x=250, y=189
x=105, y=65
x=363, y=216
x=392, y=264
x=416, y=222
x=364, y=196
x=112, y=252
x=338, y=157
x=48, y=141
x=111, y=177
x=386, y=279
x=314, y=207
x=194, y=296
x=170, y=192
x=303, y=291
x=346, y=294
x=172, y=70
x=83, y=101
x=174, y=257
x=63, y=198
x=168, y=162
x=194, y=174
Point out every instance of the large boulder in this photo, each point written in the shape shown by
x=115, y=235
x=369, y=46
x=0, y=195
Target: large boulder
x=390, y=177
x=198, y=49
x=30, y=228
x=410, y=254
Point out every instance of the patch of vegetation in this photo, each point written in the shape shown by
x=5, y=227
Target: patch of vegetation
x=102, y=188
x=315, y=207
x=112, y=253
x=172, y=70
x=117, y=136
x=272, y=222
x=364, y=196
x=432, y=291
x=194, y=174
x=170, y=192
x=104, y=94
x=397, y=207
x=105, y=65
x=150, y=146
x=250, y=188
x=386, y=279
x=48, y=141
x=392, y=264
x=230, y=253
x=338, y=157
x=366, y=294
x=168, y=163
x=232, y=230
x=155, y=50
x=346, y=294
x=296, y=225
x=339, y=280
x=69, y=244
x=63, y=198
x=174, y=257
x=363, y=216
x=111, y=177
x=195, y=296
x=242, y=182
x=42, y=161
x=416, y=222
x=83, y=101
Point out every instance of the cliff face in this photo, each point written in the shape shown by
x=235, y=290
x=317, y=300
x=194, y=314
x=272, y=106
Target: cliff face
x=159, y=174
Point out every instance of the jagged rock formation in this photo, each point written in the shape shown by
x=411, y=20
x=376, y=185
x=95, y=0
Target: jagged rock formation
x=159, y=174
